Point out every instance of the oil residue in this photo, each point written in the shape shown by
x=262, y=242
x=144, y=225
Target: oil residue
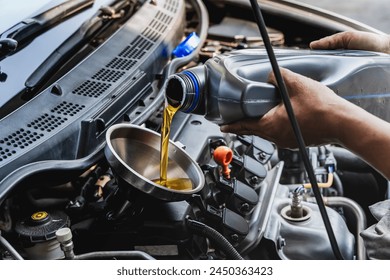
x=181, y=184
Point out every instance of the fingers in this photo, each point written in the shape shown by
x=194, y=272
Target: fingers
x=240, y=127
x=344, y=40
x=267, y=127
x=357, y=40
x=325, y=43
x=293, y=81
x=286, y=74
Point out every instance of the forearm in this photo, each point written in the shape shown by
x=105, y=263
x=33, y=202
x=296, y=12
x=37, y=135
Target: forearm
x=365, y=135
x=324, y=117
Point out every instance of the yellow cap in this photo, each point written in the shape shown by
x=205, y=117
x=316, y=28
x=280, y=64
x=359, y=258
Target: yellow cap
x=38, y=216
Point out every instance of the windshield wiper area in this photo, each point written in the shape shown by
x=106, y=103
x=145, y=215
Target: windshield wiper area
x=97, y=26
x=25, y=31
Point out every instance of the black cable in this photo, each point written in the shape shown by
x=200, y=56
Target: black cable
x=218, y=239
x=290, y=112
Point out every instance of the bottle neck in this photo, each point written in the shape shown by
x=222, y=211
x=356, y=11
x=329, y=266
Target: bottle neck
x=185, y=89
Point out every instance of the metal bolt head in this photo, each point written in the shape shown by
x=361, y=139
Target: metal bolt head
x=245, y=207
x=234, y=237
x=254, y=180
x=280, y=242
x=262, y=155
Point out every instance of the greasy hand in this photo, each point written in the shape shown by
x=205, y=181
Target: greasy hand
x=313, y=104
x=357, y=40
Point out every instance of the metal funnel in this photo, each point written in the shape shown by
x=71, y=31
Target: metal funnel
x=133, y=153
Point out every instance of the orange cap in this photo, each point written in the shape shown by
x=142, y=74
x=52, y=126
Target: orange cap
x=223, y=156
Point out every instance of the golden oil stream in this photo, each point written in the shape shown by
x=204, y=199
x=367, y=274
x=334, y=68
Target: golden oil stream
x=171, y=183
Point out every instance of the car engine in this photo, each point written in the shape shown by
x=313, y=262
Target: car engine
x=77, y=159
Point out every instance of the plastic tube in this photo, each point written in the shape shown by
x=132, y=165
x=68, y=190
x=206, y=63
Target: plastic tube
x=327, y=184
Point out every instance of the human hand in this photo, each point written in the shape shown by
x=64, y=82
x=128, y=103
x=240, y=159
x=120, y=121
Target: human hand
x=315, y=106
x=357, y=40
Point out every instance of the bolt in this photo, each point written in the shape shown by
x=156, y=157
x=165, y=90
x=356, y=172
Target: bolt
x=254, y=180
x=244, y=207
x=262, y=156
x=234, y=237
x=280, y=243
x=296, y=206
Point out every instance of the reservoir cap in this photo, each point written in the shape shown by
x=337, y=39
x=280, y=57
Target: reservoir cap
x=41, y=226
x=187, y=46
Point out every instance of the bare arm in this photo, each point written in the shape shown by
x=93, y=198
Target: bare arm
x=324, y=117
x=367, y=136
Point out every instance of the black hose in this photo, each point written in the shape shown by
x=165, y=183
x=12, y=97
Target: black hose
x=6, y=245
x=346, y=160
x=218, y=239
x=115, y=254
x=294, y=123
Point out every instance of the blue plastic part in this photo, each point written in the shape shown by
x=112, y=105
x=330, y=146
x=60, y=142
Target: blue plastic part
x=195, y=83
x=187, y=46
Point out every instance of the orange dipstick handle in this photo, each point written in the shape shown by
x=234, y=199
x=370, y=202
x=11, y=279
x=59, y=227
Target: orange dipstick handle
x=223, y=156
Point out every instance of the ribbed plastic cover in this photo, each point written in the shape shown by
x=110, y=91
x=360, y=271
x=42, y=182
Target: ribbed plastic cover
x=41, y=226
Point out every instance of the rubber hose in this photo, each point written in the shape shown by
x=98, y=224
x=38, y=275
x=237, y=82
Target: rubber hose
x=218, y=239
x=346, y=160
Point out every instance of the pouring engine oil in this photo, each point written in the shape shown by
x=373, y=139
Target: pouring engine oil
x=233, y=86
x=171, y=183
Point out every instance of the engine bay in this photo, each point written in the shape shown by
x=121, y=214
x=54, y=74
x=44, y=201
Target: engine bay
x=69, y=190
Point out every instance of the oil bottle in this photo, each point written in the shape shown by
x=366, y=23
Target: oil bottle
x=233, y=86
